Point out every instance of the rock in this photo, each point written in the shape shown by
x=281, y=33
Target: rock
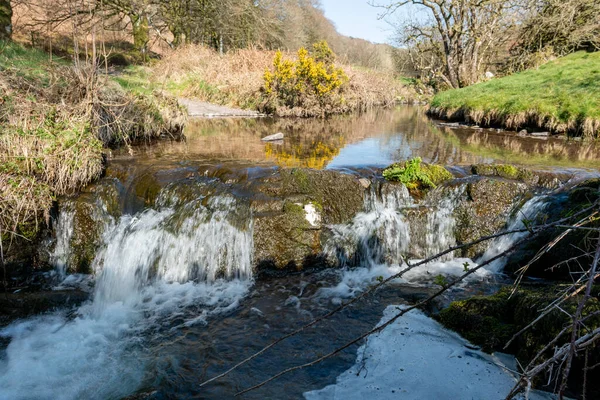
x=540, y=134
x=568, y=251
x=484, y=211
x=24, y=304
x=289, y=219
x=522, y=133
x=366, y=183
x=274, y=137
x=545, y=179
x=491, y=321
x=489, y=75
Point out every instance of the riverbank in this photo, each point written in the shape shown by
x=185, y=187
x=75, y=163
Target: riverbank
x=237, y=79
x=562, y=97
x=57, y=120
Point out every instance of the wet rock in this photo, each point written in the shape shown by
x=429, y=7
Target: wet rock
x=545, y=179
x=90, y=213
x=338, y=195
x=566, y=258
x=289, y=220
x=23, y=304
x=491, y=321
x=285, y=238
x=365, y=182
x=486, y=207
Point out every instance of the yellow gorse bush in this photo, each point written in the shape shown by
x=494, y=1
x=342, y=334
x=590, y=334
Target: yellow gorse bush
x=306, y=80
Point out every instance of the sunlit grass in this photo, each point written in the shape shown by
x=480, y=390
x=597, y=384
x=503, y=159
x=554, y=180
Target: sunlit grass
x=563, y=95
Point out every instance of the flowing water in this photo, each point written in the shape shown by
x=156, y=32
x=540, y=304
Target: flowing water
x=173, y=299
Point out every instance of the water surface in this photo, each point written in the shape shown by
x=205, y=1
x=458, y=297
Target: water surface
x=373, y=139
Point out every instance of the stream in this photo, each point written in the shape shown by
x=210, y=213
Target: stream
x=173, y=297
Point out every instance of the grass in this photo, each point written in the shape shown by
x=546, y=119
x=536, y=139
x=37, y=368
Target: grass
x=562, y=96
x=55, y=124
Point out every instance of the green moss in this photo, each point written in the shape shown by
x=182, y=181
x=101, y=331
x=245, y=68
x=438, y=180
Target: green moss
x=490, y=321
x=301, y=179
x=507, y=171
x=415, y=175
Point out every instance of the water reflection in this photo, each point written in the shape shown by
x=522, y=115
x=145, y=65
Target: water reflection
x=375, y=139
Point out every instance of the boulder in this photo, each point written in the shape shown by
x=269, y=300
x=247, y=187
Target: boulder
x=484, y=210
x=290, y=218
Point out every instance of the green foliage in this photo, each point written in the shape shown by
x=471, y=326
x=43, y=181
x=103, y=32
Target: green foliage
x=441, y=280
x=306, y=82
x=416, y=175
x=563, y=96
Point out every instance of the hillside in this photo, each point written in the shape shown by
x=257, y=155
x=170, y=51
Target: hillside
x=562, y=96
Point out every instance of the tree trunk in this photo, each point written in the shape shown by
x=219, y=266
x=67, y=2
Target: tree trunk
x=5, y=20
x=451, y=71
x=141, y=34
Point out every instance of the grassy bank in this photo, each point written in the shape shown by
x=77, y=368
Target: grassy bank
x=236, y=79
x=562, y=96
x=55, y=122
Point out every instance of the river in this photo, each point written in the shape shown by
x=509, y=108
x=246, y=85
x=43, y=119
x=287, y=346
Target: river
x=174, y=300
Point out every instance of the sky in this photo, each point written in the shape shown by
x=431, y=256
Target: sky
x=358, y=19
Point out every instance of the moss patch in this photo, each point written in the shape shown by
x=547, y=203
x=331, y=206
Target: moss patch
x=490, y=321
x=416, y=175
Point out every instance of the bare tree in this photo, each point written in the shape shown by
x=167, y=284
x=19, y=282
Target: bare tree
x=463, y=34
x=5, y=19
x=556, y=28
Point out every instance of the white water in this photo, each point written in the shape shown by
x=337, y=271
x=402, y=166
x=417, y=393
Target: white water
x=158, y=269
x=440, y=224
x=528, y=212
x=62, y=249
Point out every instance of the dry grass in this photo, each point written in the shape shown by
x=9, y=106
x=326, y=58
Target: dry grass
x=55, y=122
x=236, y=79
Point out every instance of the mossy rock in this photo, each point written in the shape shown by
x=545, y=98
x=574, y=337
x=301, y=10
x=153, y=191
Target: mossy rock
x=491, y=321
x=489, y=204
x=569, y=251
x=284, y=239
x=338, y=195
x=548, y=180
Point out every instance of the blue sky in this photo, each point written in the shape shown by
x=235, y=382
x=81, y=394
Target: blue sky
x=358, y=19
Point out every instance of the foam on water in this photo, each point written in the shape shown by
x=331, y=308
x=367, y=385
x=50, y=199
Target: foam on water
x=416, y=358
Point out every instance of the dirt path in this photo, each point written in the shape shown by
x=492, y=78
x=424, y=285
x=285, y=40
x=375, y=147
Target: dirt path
x=201, y=109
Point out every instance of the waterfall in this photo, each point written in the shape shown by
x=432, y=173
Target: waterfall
x=439, y=228
x=196, y=243
x=157, y=271
x=63, y=228
x=529, y=211
x=377, y=235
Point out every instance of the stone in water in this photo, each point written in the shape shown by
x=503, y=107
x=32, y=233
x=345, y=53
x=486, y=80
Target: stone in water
x=272, y=138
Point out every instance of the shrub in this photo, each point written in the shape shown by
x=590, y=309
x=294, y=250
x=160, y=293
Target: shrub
x=415, y=175
x=315, y=86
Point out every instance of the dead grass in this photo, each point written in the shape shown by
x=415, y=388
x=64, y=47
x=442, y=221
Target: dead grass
x=236, y=78
x=55, y=123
